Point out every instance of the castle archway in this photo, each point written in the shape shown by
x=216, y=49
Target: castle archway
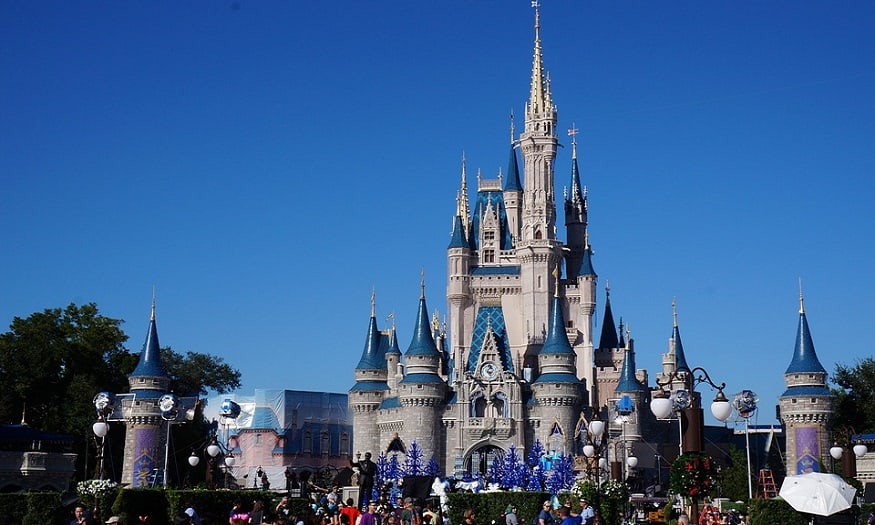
x=480, y=456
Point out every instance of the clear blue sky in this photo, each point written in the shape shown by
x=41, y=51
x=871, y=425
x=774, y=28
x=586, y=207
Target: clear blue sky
x=267, y=164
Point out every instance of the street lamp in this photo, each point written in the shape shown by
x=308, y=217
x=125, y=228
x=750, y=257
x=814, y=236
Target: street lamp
x=849, y=462
x=745, y=403
x=103, y=404
x=689, y=408
x=595, y=431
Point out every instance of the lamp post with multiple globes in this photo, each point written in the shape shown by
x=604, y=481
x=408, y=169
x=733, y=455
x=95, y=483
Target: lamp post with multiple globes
x=849, y=462
x=686, y=402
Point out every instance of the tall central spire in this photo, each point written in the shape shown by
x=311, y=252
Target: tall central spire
x=537, y=98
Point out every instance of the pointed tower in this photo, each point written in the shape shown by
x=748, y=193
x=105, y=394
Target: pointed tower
x=144, y=440
x=575, y=214
x=607, y=358
x=422, y=392
x=675, y=360
x=538, y=251
x=807, y=406
x=370, y=388
x=630, y=387
x=513, y=190
x=557, y=390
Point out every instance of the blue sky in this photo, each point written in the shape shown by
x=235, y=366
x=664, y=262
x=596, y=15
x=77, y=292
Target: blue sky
x=267, y=164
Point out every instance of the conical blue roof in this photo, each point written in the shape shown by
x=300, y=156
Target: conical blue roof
x=680, y=357
x=628, y=382
x=608, y=338
x=586, y=268
x=804, y=357
x=423, y=341
x=458, y=236
x=513, y=173
x=372, y=358
x=557, y=339
x=150, y=364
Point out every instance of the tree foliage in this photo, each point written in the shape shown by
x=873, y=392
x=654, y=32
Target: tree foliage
x=734, y=483
x=195, y=374
x=855, y=397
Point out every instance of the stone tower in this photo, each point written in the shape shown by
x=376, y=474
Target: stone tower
x=144, y=439
x=807, y=406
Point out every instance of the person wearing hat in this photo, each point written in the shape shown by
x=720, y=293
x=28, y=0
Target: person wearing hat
x=510, y=517
x=587, y=514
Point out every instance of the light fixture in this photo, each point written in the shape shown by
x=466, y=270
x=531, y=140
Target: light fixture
x=631, y=462
x=229, y=461
x=597, y=427
x=101, y=428
x=661, y=405
x=836, y=451
x=193, y=460
x=860, y=450
x=721, y=409
x=588, y=451
x=213, y=449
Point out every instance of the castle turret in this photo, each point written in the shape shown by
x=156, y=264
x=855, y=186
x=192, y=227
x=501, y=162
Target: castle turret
x=370, y=388
x=144, y=440
x=422, y=391
x=513, y=191
x=557, y=389
x=807, y=406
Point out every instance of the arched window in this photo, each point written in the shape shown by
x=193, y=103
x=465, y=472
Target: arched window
x=478, y=405
x=499, y=405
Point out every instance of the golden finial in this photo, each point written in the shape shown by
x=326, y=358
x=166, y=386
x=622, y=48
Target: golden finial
x=23, y=413
x=556, y=278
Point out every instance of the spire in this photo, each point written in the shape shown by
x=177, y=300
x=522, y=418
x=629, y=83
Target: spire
x=513, y=169
x=150, y=364
x=457, y=238
x=423, y=340
x=586, y=268
x=371, y=358
x=578, y=197
x=622, y=341
x=539, y=96
x=557, y=338
x=804, y=357
x=680, y=358
x=609, y=333
x=462, y=198
x=628, y=382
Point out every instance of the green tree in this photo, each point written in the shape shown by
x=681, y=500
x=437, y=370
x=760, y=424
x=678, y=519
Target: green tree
x=734, y=482
x=855, y=396
x=53, y=362
x=195, y=374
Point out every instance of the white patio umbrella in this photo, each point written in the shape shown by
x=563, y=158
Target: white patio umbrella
x=817, y=493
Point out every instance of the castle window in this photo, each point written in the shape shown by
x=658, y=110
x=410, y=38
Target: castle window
x=258, y=439
x=308, y=442
x=324, y=443
x=489, y=236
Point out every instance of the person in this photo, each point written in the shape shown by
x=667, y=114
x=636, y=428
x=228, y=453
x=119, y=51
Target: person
x=256, y=517
x=708, y=514
x=351, y=512
x=469, y=516
x=565, y=516
x=369, y=516
x=367, y=471
x=283, y=510
x=510, y=517
x=192, y=514
x=871, y=520
x=80, y=516
x=237, y=516
x=587, y=515
x=683, y=519
x=545, y=517
x=430, y=513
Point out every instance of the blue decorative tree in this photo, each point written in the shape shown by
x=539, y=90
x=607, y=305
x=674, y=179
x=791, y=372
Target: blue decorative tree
x=495, y=472
x=561, y=477
x=382, y=470
x=536, y=478
x=413, y=464
x=515, y=472
x=432, y=469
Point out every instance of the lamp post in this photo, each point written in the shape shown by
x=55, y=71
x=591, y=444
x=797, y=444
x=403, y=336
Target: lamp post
x=849, y=462
x=745, y=403
x=103, y=404
x=595, y=430
x=689, y=408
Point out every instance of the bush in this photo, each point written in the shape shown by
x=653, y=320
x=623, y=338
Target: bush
x=490, y=506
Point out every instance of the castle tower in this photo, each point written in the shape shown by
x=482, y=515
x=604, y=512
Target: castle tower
x=144, y=439
x=538, y=251
x=370, y=389
x=807, y=406
x=422, y=392
x=557, y=389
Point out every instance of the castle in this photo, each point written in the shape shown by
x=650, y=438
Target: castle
x=517, y=362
